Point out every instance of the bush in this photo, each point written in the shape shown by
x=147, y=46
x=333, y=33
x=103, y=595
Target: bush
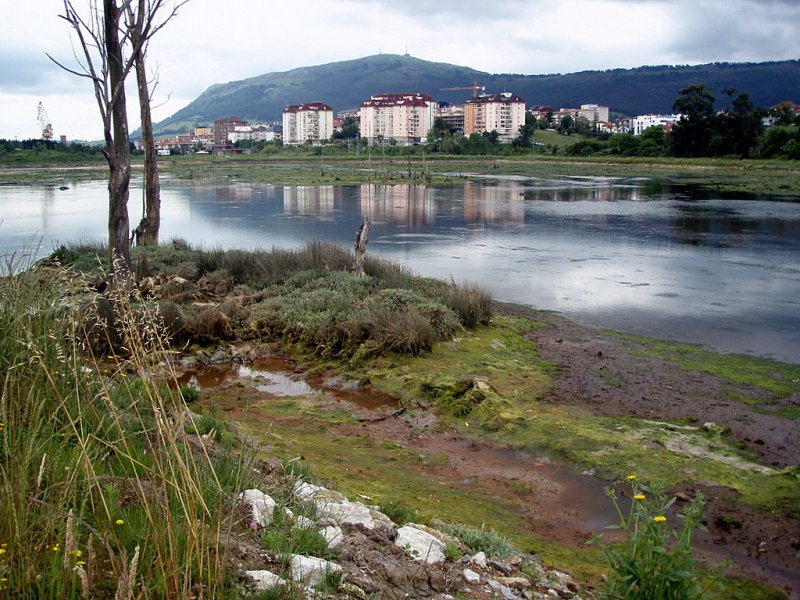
x=483, y=540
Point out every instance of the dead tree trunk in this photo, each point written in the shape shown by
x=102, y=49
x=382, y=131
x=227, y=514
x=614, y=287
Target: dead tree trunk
x=147, y=231
x=117, y=153
x=362, y=236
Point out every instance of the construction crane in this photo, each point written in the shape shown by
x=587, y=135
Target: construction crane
x=474, y=87
x=44, y=122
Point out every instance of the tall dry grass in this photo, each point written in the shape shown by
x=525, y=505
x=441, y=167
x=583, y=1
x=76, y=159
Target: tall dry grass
x=107, y=490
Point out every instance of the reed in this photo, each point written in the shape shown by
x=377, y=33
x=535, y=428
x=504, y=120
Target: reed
x=108, y=489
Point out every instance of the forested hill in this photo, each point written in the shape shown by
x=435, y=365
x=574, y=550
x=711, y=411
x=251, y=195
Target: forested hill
x=344, y=85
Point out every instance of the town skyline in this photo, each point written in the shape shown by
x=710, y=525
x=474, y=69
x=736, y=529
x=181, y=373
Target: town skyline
x=521, y=37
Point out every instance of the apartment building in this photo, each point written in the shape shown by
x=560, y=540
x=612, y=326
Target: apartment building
x=307, y=123
x=637, y=125
x=260, y=133
x=503, y=113
x=223, y=127
x=406, y=118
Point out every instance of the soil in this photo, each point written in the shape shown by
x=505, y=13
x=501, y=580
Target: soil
x=569, y=508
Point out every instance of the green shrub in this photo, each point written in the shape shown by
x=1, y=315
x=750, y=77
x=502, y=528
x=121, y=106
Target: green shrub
x=483, y=540
x=654, y=560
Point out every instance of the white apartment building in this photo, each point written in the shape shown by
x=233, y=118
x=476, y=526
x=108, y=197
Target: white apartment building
x=503, y=113
x=406, y=118
x=642, y=122
x=594, y=113
x=312, y=123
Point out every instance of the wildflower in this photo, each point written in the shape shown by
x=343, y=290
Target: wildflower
x=119, y=522
x=54, y=548
x=2, y=551
x=2, y=426
x=660, y=519
x=631, y=477
x=77, y=553
x=80, y=563
x=639, y=497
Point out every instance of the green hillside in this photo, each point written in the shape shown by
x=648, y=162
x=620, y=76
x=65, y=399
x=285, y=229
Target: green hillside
x=344, y=85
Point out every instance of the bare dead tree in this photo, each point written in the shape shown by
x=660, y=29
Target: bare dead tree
x=362, y=237
x=137, y=22
x=102, y=37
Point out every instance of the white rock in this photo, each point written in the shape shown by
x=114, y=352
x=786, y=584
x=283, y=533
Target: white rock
x=479, y=559
x=310, y=570
x=333, y=535
x=346, y=513
x=262, y=505
x=506, y=593
x=471, y=576
x=301, y=522
x=265, y=580
x=309, y=491
x=421, y=545
x=287, y=512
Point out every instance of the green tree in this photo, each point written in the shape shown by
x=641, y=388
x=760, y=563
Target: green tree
x=567, y=125
x=652, y=142
x=691, y=135
x=525, y=137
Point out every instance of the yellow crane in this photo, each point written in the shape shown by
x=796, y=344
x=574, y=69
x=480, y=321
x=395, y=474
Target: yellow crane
x=44, y=122
x=475, y=87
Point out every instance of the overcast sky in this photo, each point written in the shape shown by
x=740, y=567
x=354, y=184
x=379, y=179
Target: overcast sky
x=216, y=41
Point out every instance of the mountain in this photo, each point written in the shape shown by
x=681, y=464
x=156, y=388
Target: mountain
x=344, y=85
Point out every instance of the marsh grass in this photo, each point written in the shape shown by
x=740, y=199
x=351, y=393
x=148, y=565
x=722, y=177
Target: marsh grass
x=105, y=494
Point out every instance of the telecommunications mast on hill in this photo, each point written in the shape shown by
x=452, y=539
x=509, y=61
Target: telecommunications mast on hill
x=44, y=122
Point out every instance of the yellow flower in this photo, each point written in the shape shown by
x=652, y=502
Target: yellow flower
x=2, y=550
x=76, y=553
x=81, y=562
x=119, y=522
x=2, y=426
x=660, y=519
x=639, y=497
x=631, y=477
x=54, y=548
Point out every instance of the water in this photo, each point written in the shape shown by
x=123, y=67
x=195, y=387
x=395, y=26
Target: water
x=634, y=255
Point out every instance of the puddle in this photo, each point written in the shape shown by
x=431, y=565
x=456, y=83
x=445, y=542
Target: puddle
x=278, y=377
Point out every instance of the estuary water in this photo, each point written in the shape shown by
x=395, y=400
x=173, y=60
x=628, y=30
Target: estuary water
x=627, y=254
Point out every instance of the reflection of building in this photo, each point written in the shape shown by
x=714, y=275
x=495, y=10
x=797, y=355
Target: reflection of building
x=405, y=118
x=503, y=113
x=494, y=204
x=308, y=200
x=400, y=204
x=312, y=123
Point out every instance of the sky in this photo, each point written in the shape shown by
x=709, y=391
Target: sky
x=216, y=41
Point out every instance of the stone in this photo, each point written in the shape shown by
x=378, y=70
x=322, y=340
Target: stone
x=309, y=570
x=505, y=592
x=470, y=576
x=261, y=504
x=499, y=565
x=420, y=545
x=265, y=580
x=301, y=522
x=516, y=583
x=479, y=559
x=346, y=513
x=308, y=491
x=334, y=535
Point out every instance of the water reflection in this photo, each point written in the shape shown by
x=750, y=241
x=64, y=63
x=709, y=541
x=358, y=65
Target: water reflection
x=309, y=200
x=621, y=253
x=401, y=204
